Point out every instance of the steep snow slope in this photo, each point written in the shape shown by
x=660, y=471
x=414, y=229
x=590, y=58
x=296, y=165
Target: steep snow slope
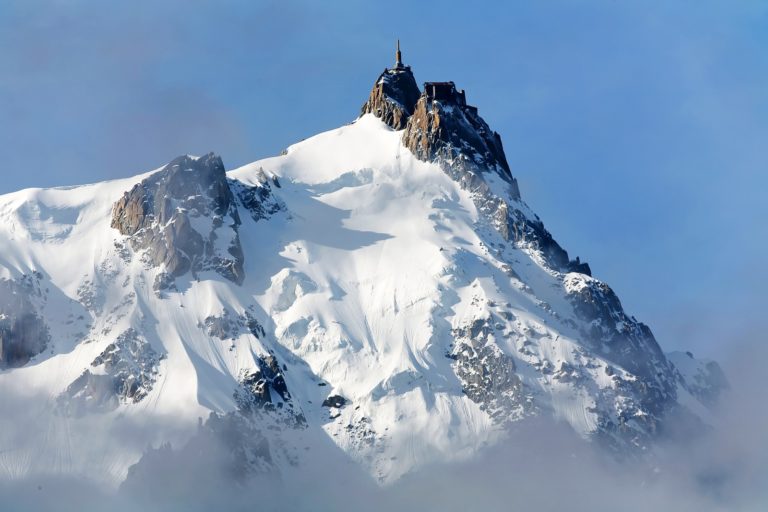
x=358, y=292
x=379, y=307
x=377, y=298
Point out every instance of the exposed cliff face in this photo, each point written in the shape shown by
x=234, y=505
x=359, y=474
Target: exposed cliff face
x=23, y=332
x=444, y=127
x=616, y=337
x=488, y=375
x=445, y=130
x=124, y=373
x=606, y=326
x=258, y=199
x=185, y=217
x=393, y=97
x=264, y=390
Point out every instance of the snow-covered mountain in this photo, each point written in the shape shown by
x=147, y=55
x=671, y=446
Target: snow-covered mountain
x=380, y=293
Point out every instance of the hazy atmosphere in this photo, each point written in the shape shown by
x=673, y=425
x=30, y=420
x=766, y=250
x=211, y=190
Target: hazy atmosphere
x=636, y=130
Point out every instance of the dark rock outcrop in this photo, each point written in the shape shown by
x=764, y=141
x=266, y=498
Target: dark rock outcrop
x=230, y=325
x=445, y=130
x=264, y=390
x=622, y=340
x=336, y=401
x=524, y=231
x=258, y=199
x=393, y=97
x=185, y=217
x=23, y=332
x=124, y=373
x=443, y=127
x=488, y=376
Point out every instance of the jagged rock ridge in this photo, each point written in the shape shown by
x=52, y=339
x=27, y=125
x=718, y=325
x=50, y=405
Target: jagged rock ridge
x=442, y=128
x=264, y=389
x=184, y=217
x=417, y=306
x=124, y=372
x=394, y=95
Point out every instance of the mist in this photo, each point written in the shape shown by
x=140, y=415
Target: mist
x=541, y=465
x=658, y=116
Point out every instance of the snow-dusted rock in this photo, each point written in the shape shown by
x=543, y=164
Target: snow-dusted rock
x=385, y=293
x=185, y=218
x=393, y=97
x=444, y=127
x=124, y=372
x=23, y=331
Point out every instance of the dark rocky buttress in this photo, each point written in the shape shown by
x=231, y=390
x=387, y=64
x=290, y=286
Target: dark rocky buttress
x=123, y=373
x=393, y=97
x=23, y=331
x=439, y=126
x=185, y=217
x=444, y=127
x=445, y=130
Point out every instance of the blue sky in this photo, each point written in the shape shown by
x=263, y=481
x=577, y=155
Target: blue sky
x=638, y=130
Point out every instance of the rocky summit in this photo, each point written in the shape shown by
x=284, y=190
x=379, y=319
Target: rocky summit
x=380, y=294
x=185, y=219
x=394, y=95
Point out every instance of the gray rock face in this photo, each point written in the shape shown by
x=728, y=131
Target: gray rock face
x=444, y=127
x=185, y=218
x=393, y=97
x=445, y=130
x=610, y=328
x=487, y=374
x=259, y=200
x=23, y=332
x=335, y=401
x=622, y=340
x=524, y=231
x=264, y=390
x=124, y=373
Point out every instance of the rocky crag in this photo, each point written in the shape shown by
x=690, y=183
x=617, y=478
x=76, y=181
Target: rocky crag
x=184, y=218
x=439, y=126
x=394, y=95
x=23, y=331
x=390, y=299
